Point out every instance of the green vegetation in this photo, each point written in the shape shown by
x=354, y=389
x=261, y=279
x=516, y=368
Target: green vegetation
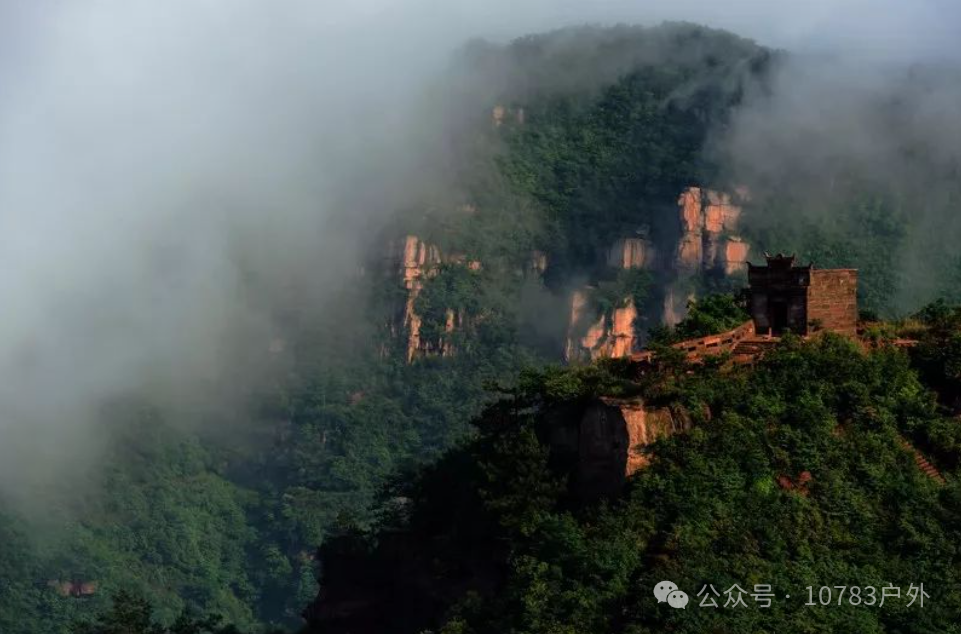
x=628, y=285
x=711, y=510
x=615, y=126
x=159, y=518
x=131, y=614
x=601, y=165
x=706, y=316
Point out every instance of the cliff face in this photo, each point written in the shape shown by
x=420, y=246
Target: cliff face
x=632, y=253
x=734, y=255
x=414, y=261
x=707, y=244
x=708, y=224
x=675, y=306
x=622, y=339
x=612, y=337
x=690, y=245
x=578, y=348
x=538, y=263
x=608, y=440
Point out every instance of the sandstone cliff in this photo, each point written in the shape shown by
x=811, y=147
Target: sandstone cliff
x=708, y=232
x=606, y=336
x=707, y=243
x=608, y=440
x=413, y=261
x=632, y=253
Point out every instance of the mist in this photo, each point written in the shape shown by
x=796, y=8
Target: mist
x=828, y=134
x=164, y=168
x=167, y=167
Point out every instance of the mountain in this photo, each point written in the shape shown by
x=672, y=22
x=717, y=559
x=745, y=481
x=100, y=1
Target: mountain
x=578, y=195
x=800, y=473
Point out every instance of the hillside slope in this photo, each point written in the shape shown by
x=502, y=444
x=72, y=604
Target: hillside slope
x=794, y=473
x=576, y=200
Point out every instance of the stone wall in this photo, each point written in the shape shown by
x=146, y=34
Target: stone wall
x=715, y=344
x=832, y=300
x=797, y=298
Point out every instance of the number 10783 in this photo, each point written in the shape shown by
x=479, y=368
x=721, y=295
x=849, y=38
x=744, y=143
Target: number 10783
x=864, y=595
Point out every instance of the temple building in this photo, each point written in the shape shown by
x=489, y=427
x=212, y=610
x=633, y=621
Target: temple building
x=783, y=297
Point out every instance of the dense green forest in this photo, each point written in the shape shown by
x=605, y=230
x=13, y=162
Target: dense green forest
x=489, y=538
x=616, y=122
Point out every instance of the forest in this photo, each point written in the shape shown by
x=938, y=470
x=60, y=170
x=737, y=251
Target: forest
x=424, y=491
x=502, y=544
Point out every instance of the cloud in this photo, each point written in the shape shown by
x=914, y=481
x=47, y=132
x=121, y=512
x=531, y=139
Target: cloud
x=155, y=157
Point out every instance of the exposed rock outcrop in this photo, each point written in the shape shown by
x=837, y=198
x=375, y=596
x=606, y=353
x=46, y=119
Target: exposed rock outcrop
x=605, y=337
x=632, y=253
x=734, y=255
x=417, y=260
x=538, y=262
x=460, y=258
x=621, y=339
x=708, y=242
x=797, y=485
x=690, y=244
x=453, y=321
x=500, y=114
x=75, y=588
x=675, y=305
x=708, y=226
x=606, y=441
x=414, y=261
x=577, y=345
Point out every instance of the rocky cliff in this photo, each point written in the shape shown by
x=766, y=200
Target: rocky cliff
x=632, y=253
x=708, y=231
x=707, y=244
x=500, y=114
x=609, y=336
x=415, y=261
x=607, y=440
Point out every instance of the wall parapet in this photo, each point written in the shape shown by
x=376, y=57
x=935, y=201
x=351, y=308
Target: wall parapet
x=709, y=344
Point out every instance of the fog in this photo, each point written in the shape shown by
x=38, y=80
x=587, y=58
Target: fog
x=832, y=132
x=155, y=157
